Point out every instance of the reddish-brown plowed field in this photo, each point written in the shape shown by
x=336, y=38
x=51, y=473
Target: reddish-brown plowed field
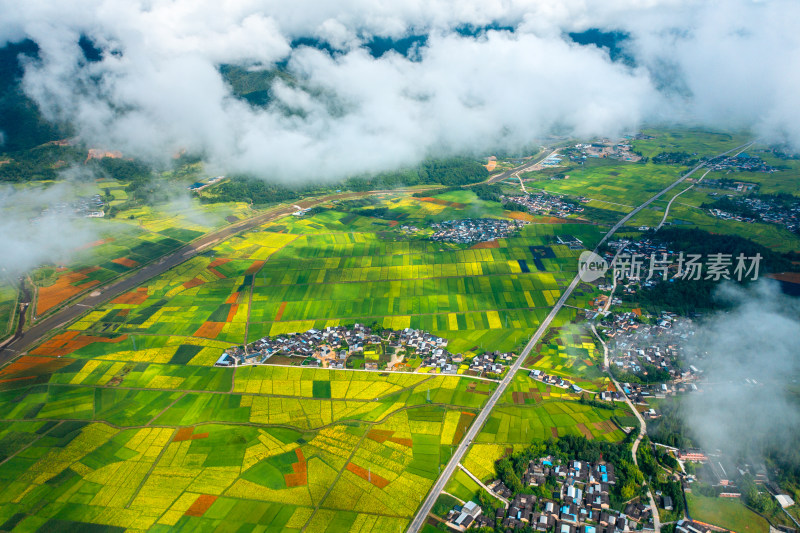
x=585, y=431
x=232, y=312
x=210, y=330
x=216, y=272
x=255, y=267
x=96, y=243
x=437, y=201
x=201, y=505
x=133, y=297
x=124, y=261
x=485, y=245
x=373, y=478
x=380, y=435
x=279, y=315
x=63, y=289
x=233, y=298
x=194, y=282
x=300, y=476
x=464, y=422
x=30, y=367
x=217, y=262
x=70, y=341
x=520, y=215
x=186, y=434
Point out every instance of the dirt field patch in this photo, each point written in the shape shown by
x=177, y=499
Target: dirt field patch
x=124, y=261
x=194, y=282
x=464, y=422
x=210, y=330
x=255, y=267
x=373, y=478
x=584, y=430
x=437, y=201
x=66, y=286
x=201, y=505
x=279, y=314
x=96, y=243
x=520, y=215
x=299, y=477
x=380, y=435
x=136, y=297
x=485, y=245
x=71, y=341
x=30, y=367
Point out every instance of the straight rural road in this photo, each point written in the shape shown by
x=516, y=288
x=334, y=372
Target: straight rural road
x=447, y=472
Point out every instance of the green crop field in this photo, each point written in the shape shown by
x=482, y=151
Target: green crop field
x=149, y=445
x=121, y=419
x=530, y=410
x=725, y=512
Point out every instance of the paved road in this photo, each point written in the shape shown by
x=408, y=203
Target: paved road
x=427, y=505
x=42, y=328
x=642, y=429
x=666, y=211
x=514, y=172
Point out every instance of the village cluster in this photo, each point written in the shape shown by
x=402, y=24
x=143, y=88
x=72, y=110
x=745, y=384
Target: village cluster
x=641, y=348
x=384, y=349
x=764, y=209
x=542, y=203
x=471, y=230
x=604, y=148
x=645, y=263
x=741, y=162
x=87, y=207
x=579, y=501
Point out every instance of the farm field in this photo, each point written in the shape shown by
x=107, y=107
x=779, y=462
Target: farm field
x=693, y=141
x=294, y=275
x=132, y=446
x=126, y=244
x=725, y=512
x=570, y=352
x=121, y=420
x=8, y=303
x=530, y=410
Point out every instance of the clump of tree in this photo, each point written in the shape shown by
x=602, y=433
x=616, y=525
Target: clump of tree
x=256, y=191
x=675, y=158
x=670, y=428
x=686, y=296
x=450, y=172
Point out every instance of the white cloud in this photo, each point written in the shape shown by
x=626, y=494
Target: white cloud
x=733, y=63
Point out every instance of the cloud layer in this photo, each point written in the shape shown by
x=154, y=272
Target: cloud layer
x=157, y=88
x=751, y=362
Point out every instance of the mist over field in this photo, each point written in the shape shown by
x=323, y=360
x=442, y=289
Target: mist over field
x=49, y=238
x=755, y=340
x=367, y=87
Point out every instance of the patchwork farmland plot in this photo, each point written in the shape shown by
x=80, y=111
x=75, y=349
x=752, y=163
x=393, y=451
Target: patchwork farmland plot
x=150, y=458
x=121, y=420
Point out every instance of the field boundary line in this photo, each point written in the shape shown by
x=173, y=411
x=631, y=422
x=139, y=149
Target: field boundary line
x=4, y=461
x=164, y=410
x=152, y=467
